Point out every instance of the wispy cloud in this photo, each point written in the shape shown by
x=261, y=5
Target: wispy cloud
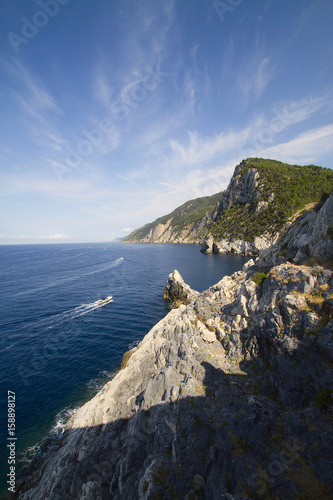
x=198, y=150
x=306, y=147
x=73, y=188
x=31, y=93
x=102, y=89
x=127, y=180
x=254, y=79
x=49, y=237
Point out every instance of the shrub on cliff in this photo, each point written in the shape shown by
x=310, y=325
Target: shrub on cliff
x=259, y=278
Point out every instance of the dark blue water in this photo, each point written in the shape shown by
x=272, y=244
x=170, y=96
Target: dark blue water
x=57, y=345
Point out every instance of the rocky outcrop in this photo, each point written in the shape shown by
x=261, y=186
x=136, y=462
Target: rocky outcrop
x=207, y=246
x=242, y=189
x=177, y=290
x=238, y=247
x=310, y=236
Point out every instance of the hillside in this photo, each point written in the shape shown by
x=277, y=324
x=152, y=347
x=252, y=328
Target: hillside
x=263, y=196
x=184, y=225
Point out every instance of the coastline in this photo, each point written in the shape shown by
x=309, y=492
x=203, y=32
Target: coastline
x=221, y=394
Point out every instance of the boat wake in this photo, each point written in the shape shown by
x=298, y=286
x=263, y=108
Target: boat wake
x=36, y=327
x=78, y=311
x=78, y=274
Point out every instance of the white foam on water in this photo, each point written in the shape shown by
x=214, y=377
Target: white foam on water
x=39, y=450
x=96, y=384
x=81, y=310
x=133, y=344
x=53, y=321
x=77, y=275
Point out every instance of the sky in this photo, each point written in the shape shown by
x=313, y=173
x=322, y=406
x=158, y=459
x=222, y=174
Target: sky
x=113, y=113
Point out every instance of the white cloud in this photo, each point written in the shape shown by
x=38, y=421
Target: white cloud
x=126, y=229
x=255, y=78
x=305, y=148
x=55, y=237
x=261, y=131
x=36, y=96
x=50, y=237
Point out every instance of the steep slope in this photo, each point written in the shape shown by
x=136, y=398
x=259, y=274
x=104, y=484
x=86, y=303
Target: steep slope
x=184, y=225
x=263, y=197
x=309, y=237
x=229, y=396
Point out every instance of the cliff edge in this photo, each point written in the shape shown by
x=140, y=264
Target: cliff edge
x=229, y=396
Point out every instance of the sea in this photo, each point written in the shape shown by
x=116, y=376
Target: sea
x=59, y=344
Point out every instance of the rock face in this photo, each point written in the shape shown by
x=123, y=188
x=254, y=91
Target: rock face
x=310, y=236
x=242, y=189
x=177, y=290
x=238, y=247
x=184, y=225
x=167, y=233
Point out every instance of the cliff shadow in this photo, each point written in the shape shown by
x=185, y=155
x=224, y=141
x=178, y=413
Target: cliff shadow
x=227, y=440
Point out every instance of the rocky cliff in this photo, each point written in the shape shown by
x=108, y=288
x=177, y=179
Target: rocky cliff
x=262, y=198
x=186, y=224
x=229, y=396
x=310, y=236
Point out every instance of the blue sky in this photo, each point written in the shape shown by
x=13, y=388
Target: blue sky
x=115, y=112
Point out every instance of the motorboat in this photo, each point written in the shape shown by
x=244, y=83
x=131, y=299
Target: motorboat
x=104, y=301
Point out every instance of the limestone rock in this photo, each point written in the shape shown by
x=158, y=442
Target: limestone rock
x=310, y=236
x=177, y=290
x=207, y=246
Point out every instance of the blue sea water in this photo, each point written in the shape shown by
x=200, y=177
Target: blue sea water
x=58, y=345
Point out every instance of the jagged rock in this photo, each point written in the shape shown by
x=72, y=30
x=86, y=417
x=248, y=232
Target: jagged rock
x=207, y=246
x=310, y=236
x=242, y=247
x=177, y=290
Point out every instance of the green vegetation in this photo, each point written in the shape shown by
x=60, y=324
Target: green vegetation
x=192, y=211
x=324, y=398
x=259, y=278
x=329, y=233
x=292, y=186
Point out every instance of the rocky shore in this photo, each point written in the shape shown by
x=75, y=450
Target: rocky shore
x=238, y=246
x=229, y=396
